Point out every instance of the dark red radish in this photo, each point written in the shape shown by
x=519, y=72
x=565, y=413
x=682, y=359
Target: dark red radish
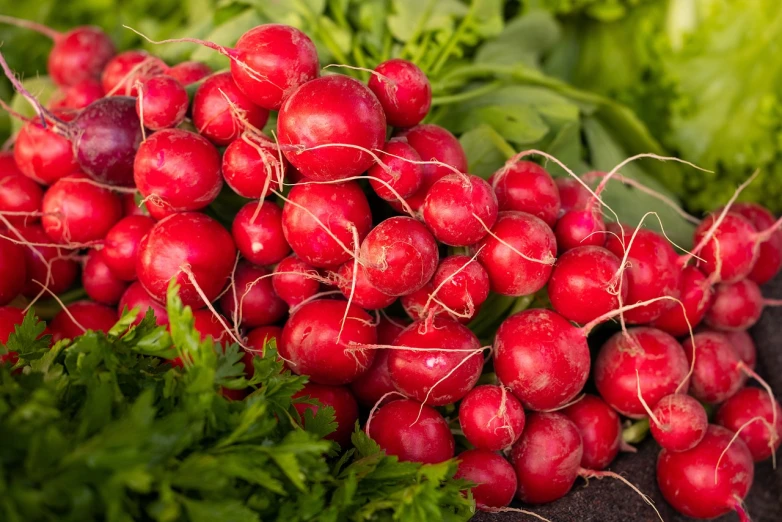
x=460, y=209
x=678, y=422
x=695, y=294
x=76, y=210
x=572, y=195
x=121, y=245
x=356, y=123
x=123, y=70
x=736, y=306
x=63, y=269
x=654, y=356
x=737, y=252
x=337, y=397
x=131, y=207
x=20, y=199
x=180, y=170
x=292, y=287
x=584, y=284
x=13, y=269
x=403, y=171
x=323, y=341
x=717, y=373
x=600, y=429
x=42, y=155
x=161, y=102
x=251, y=165
x=580, y=228
x=207, y=324
x=744, y=347
x=462, y=285
x=769, y=259
x=376, y=382
x=184, y=247
x=707, y=481
x=541, y=358
x=759, y=423
x=10, y=317
x=259, y=235
x=404, y=92
x=189, y=72
x=360, y=291
x=493, y=476
x=411, y=431
x=421, y=305
x=251, y=300
x=315, y=215
x=527, y=187
x=217, y=119
x=519, y=254
x=136, y=297
x=400, y=256
x=88, y=316
x=76, y=96
x=100, y=283
x=491, y=417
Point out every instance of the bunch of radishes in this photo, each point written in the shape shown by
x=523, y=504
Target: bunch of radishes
x=305, y=253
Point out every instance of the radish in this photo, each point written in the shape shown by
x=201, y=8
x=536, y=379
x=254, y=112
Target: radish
x=400, y=256
x=491, y=418
x=695, y=295
x=403, y=171
x=580, y=228
x=751, y=415
x=121, y=245
x=769, y=259
x=422, y=305
x=10, y=317
x=411, y=431
x=100, y=283
x=256, y=341
x=293, y=288
x=259, y=235
x=736, y=306
x=527, y=187
x=737, y=252
x=318, y=341
x=600, y=429
x=355, y=286
x=572, y=195
x=76, y=96
x=162, y=102
x=376, y=382
x=709, y=480
x=584, y=284
x=403, y=90
x=744, y=346
x=123, y=70
x=189, y=72
x=340, y=399
x=462, y=286
x=8, y=164
x=460, y=209
x=206, y=323
x=79, y=317
x=518, y=254
x=42, y=155
x=13, y=269
x=135, y=297
x=717, y=373
x=337, y=150
x=49, y=265
x=192, y=248
x=439, y=376
x=251, y=300
x=493, y=476
x=20, y=198
x=180, y=170
x=678, y=422
x=245, y=159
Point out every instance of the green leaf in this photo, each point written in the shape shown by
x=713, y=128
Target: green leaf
x=42, y=88
x=486, y=150
x=412, y=17
x=27, y=339
x=219, y=510
x=226, y=34
x=525, y=39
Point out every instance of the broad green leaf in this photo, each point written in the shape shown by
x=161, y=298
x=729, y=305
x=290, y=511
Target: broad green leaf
x=219, y=510
x=409, y=18
x=524, y=39
x=486, y=150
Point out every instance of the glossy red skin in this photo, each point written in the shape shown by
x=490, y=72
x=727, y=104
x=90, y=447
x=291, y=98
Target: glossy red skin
x=254, y=297
x=338, y=397
x=683, y=422
x=116, y=79
x=256, y=341
x=527, y=187
x=10, y=317
x=364, y=294
x=100, y=283
x=340, y=207
x=738, y=247
x=13, y=269
x=79, y=54
x=136, y=297
x=77, y=211
x=294, y=289
x=189, y=72
x=509, y=273
x=162, y=102
x=580, y=228
x=251, y=173
x=331, y=109
x=652, y=272
x=77, y=96
x=494, y=476
x=583, y=284
x=465, y=291
x=736, y=306
x=405, y=176
x=744, y=346
x=427, y=440
x=400, y=256
x=19, y=193
x=656, y=356
x=310, y=342
x=283, y=56
x=696, y=295
x=121, y=244
x=541, y=358
x=190, y=239
x=572, y=195
x=63, y=271
x=749, y=403
x=451, y=204
x=205, y=323
x=261, y=241
x=717, y=376
x=546, y=458
x=417, y=373
x=769, y=259
x=418, y=305
x=491, y=417
x=376, y=382
x=8, y=164
x=92, y=316
x=600, y=429
x=404, y=92
x=687, y=479
x=213, y=116
x=42, y=155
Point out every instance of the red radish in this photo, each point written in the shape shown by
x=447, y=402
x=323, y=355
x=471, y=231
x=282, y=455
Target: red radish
x=744, y=347
x=527, y=187
x=520, y=261
x=738, y=249
x=42, y=155
x=189, y=72
x=8, y=164
x=542, y=358
x=403, y=171
x=136, y=297
x=207, y=324
x=13, y=269
x=459, y=209
x=376, y=382
x=363, y=293
x=251, y=301
x=10, y=317
x=217, y=119
x=259, y=235
x=717, y=372
x=572, y=195
x=355, y=121
x=707, y=481
x=244, y=161
x=411, y=431
x=403, y=90
x=491, y=417
x=179, y=169
x=462, y=285
x=494, y=477
x=63, y=270
x=583, y=227
x=696, y=296
x=162, y=102
x=644, y=353
x=121, y=72
x=293, y=288
x=769, y=259
x=679, y=422
x=20, y=198
x=99, y=281
x=88, y=316
x=186, y=247
x=759, y=424
x=421, y=305
x=257, y=338
x=337, y=397
x=736, y=306
x=315, y=214
x=77, y=96
x=120, y=247
x=400, y=256
x=600, y=429
x=584, y=284
x=318, y=342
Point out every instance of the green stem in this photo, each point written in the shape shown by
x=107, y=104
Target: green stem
x=466, y=95
x=636, y=432
x=388, y=42
x=48, y=309
x=418, y=29
x=422, y=49
x=522, y=303
x=452, y=42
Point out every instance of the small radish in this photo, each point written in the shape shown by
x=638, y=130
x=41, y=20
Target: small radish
x=527, y=187
x=403, y=90
x=769, y=259
x=736, y=306
x=87, y=315
x=403, y=171
x=13, y=269
x=257, y=338
x=493, y=476
x=10, y=317
x=744, y=347
x=291, y=287
x=361, y=292
x=582, y=227
x=491, y=417
x=340, y=399
x=572, y=195
x=462, y=285
x=678, y=422
x=20, y=199
x=77, y=96
x=731, y=251
x=259, y=235
x=48, y=265
x=189, y=72
x=421, y=305
x=460, y=209
x=411, y=431
x=376, y=383
x=759, y=424
x=717, y=371
x=8, y=164
x=42, y=155
x=123, y=70
x=162, y=102
x=251, y=300
x=206, y=323
x=696, y=296
x=600, y=429
x=251, y=164
x=100, y=283
x=121, y=245
x=136, y=297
